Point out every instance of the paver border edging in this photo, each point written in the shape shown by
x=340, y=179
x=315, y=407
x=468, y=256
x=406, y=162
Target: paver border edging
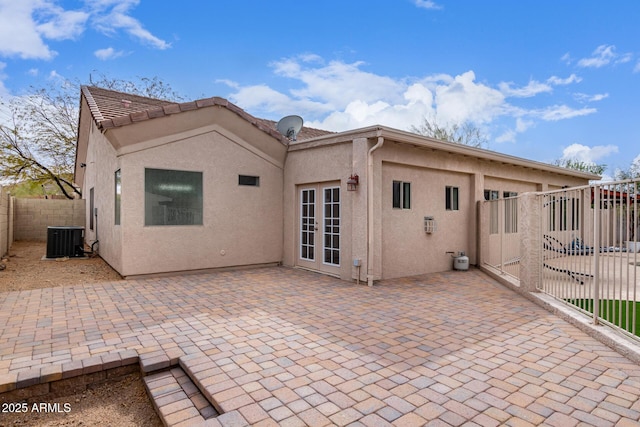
x=68, y=386
x=42, y=376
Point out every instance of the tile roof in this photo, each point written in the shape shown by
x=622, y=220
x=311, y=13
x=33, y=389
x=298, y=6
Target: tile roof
x=111, y=109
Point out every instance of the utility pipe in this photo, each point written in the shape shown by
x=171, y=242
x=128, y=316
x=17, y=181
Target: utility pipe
x=370, y=193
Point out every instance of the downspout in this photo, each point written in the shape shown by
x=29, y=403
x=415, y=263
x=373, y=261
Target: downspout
x=370, y=193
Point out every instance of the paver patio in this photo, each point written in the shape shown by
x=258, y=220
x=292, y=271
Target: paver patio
x=280, y=346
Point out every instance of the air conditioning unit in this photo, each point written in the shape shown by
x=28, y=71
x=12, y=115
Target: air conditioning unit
x=65, y=242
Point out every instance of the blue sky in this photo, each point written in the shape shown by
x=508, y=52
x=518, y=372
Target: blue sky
x=543, y=79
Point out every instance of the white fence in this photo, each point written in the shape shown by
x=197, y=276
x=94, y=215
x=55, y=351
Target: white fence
x=589, y=238
x=580, y=245
x=503, y=236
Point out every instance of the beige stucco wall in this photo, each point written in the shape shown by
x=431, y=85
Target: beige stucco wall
x=323, y=166
x=406, y=248
x=399, y=245
x=101, y=164
x=241, y=225
x=33, y=216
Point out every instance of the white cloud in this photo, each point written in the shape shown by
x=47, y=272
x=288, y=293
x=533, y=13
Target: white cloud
x=535, y=87
x=584, y=153
x=18, y=30
x=554, y=80
x=3, y=89
x=636, y=69
x=583, y=97
x=108, y=53
x=337, y=83
x=531, y=89
x=108, y=16
x=522, y=125
x=560, y=112
x=33, y=72
x=339, y=96
x=264, y=99
x=507, y=136
x=27, y=25
x=465, y=100
x=427, y=4
x=604, y=55
x=63, y=24
x=232, y=84
x=599, y=58
x=510, y=135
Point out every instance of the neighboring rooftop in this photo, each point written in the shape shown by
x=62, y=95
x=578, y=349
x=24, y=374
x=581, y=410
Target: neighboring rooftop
x=111, y=109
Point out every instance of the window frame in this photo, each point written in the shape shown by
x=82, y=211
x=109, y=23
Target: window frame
x=195, y=210
x=401, y=195
x=117, y=177
x=452, y=198
x=248, y=180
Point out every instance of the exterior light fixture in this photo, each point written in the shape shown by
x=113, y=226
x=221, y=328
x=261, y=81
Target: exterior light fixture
x=352, y=182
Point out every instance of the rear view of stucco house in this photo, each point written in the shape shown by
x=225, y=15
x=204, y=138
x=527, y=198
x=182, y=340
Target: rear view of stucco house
x=202, y=185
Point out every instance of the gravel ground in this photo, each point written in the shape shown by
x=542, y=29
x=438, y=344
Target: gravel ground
x=122, y=403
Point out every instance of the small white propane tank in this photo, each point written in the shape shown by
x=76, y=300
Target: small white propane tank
x=461, y=262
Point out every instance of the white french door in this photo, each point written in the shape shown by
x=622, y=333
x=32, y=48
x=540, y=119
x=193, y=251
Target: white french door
x=319, y=228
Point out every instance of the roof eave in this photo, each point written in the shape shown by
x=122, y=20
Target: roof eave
x=426, y=142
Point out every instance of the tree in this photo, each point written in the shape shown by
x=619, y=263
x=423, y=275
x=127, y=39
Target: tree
x=581, y=166
x=632, y=172
x=632, y=189
x=37, y=141
x=151, y=87
x=465, y=133
x=38, y=130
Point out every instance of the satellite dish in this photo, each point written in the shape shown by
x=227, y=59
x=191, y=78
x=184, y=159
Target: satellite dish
x=289, y=126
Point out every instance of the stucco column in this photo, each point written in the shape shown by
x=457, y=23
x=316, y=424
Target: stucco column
x=482, y=208
x=529, y=223
x=477, y=194
x=360, y=147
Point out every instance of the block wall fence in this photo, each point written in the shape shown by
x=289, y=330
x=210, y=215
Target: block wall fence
x=28, y=219
x=6, y=221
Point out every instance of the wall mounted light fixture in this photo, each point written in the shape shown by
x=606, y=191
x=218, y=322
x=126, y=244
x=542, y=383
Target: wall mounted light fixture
x=352, y=182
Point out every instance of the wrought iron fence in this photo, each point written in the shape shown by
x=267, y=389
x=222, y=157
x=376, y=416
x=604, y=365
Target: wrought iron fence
x=589, y=237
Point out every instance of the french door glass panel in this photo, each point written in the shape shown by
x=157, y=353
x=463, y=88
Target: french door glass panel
x=331, y=229
x=307, y=224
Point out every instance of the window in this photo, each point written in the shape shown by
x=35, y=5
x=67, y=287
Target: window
x=252, y=181
x=401, y=195
x=451, y=198
x=172, y=197
x=491, y=195
x=118, y=193
x=91, y=207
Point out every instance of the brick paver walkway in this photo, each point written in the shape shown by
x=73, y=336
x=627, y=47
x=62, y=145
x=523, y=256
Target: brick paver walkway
x=279, y=346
